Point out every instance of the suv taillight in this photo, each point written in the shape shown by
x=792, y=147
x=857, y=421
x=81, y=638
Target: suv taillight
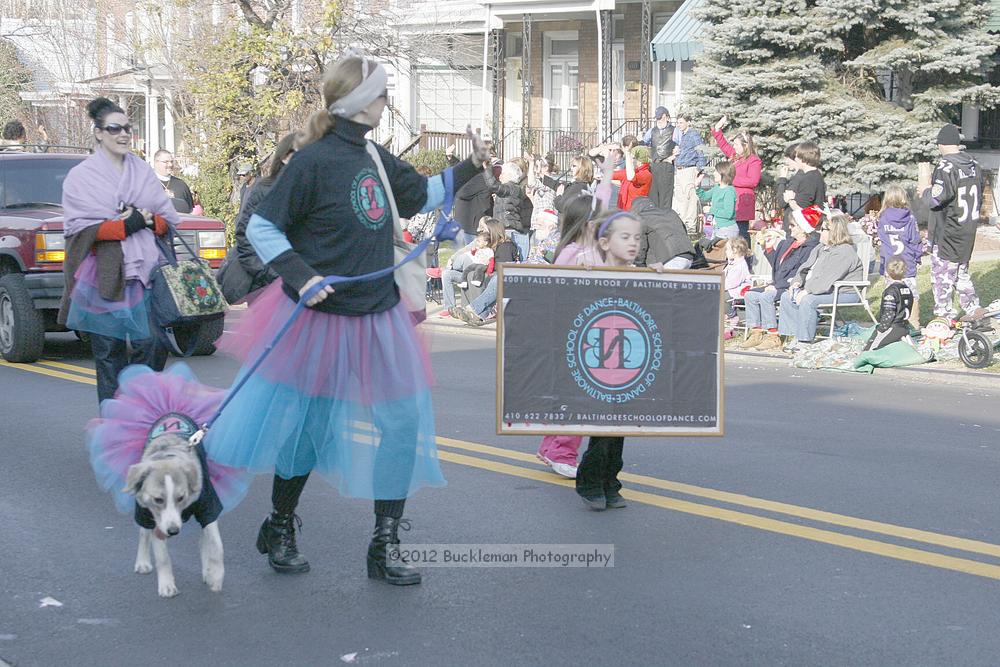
x=50, y=247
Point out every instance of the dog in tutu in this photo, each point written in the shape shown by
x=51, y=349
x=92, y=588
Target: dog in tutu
x=141, y=452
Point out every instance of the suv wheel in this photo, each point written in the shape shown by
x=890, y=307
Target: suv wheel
x=22, y=331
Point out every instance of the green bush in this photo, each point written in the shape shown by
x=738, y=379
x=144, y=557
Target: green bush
x=432, y=159
x=214, y=188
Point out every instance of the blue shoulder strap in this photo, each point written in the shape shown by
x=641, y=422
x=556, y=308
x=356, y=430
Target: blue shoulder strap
x=449, y=191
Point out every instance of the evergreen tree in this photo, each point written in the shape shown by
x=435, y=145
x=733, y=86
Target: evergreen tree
x=795, y=70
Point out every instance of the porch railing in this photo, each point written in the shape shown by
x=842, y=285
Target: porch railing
x=563, y=145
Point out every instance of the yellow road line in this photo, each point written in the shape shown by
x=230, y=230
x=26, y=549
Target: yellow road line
x=32, y=368
x=948, y=541
x=68, y=367
x=862, y=544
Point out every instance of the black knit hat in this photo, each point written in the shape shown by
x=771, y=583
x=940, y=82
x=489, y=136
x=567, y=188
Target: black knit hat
x=949, y=136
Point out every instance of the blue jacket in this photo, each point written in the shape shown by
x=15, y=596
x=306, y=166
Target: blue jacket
x=784, y=271
x=690, y=156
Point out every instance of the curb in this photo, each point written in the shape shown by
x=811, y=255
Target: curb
x=946, y=375
x=456, y=326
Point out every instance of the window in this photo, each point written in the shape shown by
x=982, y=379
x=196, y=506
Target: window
x=618, y=27
x=449, y=100
x=563, y=47
x=562, y=81
x=670, y=76
x=515, y=45
x=35, y=181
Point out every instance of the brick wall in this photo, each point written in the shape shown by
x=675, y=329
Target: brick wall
x=590, y=91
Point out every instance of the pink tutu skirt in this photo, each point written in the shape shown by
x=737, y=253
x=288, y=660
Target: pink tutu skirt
x=348, y=397
x=89, y=311
x=148, y=403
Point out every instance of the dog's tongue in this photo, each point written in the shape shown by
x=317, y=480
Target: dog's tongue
x=159, y=534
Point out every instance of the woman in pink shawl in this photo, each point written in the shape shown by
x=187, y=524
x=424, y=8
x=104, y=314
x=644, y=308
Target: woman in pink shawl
x=114, y=208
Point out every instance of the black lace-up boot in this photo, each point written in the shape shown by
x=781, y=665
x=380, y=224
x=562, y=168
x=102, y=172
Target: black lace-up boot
x=277, y=539
x=384, y=559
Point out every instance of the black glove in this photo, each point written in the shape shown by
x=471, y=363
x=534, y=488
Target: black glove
x=134, y=223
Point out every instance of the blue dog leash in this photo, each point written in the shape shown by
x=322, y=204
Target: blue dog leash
x=445, y=230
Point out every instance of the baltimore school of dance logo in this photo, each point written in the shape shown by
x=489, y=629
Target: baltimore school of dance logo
x=369, y=200
x=614, y=350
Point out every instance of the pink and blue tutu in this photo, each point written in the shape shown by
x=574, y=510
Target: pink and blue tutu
x=89, y=311
x=146, y=405
x=348, y=397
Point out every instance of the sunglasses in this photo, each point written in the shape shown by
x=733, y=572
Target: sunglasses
x=115, y=129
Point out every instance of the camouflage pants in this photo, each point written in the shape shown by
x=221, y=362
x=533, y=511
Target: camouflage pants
x=947, y=278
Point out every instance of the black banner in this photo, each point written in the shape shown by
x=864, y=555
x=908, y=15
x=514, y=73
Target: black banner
x=609, y=351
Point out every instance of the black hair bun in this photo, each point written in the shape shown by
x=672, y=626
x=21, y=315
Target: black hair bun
x=100, y=107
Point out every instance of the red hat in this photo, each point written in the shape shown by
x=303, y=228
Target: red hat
x=808, y=218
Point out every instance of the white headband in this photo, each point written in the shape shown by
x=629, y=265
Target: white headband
x=372, y=86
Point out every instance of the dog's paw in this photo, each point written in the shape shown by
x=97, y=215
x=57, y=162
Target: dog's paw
x=167, y=589
x=213, y=578
x=143, y=567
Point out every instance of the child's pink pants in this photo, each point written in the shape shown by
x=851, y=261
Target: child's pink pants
x=561, y=448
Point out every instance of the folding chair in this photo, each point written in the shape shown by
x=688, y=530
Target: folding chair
x=434, y=286
x=859, y=287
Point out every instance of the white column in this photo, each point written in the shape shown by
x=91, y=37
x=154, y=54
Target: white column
x=600, y=75
x=404, y=100
x=168, y=125
x=487, y=104
x=152, y=125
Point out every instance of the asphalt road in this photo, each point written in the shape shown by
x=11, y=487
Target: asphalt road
x=844, y=520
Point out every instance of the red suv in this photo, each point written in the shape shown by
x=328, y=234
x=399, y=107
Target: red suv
x=32, y=252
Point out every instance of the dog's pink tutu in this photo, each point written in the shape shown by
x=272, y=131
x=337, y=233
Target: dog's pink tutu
x=172, y=401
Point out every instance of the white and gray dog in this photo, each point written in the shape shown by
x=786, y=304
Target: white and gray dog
x=170, y=485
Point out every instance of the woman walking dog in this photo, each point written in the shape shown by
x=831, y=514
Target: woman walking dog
x=346, y=392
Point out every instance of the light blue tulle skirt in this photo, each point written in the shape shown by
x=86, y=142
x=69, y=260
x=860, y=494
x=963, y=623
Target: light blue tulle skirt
x=346, y=397
x=89, y=311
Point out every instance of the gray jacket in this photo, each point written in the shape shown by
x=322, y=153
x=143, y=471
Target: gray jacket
x=828, y=264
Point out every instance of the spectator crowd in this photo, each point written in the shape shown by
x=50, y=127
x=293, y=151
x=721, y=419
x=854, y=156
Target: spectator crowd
x=783, y=268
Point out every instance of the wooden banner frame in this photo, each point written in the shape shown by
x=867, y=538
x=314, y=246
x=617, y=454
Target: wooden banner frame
x=510, y=428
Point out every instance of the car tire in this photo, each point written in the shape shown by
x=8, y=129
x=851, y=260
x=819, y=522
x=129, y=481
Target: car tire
x=207, y=334
x=22, y=329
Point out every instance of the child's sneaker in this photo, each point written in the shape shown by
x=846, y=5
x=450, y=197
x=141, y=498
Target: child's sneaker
x=564, y=469
x=462, y=284
x=477, y=283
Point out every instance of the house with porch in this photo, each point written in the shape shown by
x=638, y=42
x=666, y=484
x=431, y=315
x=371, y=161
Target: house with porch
x=542, y=75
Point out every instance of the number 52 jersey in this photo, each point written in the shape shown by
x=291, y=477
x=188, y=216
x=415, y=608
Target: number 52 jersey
x=954, y=198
